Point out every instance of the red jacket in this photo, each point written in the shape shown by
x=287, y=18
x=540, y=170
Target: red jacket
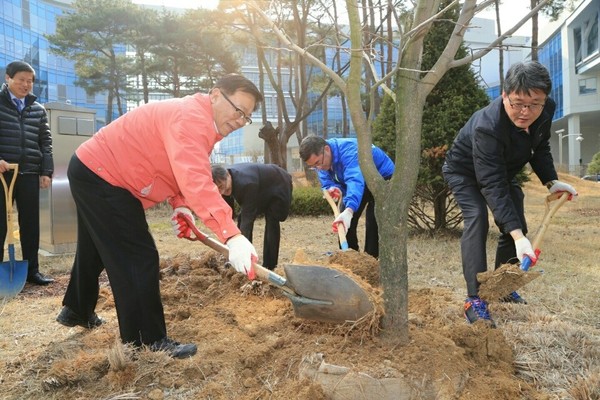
x=160, y=151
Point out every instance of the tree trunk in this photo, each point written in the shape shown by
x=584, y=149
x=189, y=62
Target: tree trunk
x=500, y=50
x=534, y=33
x=270, y=135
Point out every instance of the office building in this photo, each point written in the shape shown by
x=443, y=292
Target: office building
x=23, y=24
x=570, y=49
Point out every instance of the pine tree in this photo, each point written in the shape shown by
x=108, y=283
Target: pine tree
x=449, y=106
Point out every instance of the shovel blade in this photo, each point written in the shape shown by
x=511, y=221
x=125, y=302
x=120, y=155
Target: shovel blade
x=326, y=294
x=504, y=280
x=13, y=275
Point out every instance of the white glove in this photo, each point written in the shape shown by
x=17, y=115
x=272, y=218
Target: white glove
x=523, y=247
x=335, y=192
x=180, y=225
x=344, y=218
x=558, y=186
x=242, y=255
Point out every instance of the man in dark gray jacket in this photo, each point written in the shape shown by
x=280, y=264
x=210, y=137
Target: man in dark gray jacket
x=480, y=168
x=258, y=189
x=25, y=140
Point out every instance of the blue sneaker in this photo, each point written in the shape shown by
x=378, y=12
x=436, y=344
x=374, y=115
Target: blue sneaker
x=514, y=298
x=476, y=309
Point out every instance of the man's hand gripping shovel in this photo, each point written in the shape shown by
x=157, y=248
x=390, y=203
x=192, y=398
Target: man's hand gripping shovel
x=509, y=277
x=316, y=292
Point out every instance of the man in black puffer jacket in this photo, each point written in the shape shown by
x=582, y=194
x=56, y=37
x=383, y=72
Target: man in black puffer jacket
x=25, y=140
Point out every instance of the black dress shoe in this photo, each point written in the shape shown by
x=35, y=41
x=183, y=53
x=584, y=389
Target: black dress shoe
x=173, y=348
x=39, y=279
x=68, y=317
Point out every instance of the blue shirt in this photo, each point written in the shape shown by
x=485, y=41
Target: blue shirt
x=345, y=170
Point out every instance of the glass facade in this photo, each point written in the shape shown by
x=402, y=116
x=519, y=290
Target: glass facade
x=23, y=24
x=551, y=56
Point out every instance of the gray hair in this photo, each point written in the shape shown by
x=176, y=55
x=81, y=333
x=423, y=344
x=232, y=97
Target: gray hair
x=219, y=174
x=523, y=77
x=311, y=145
x=231, y=83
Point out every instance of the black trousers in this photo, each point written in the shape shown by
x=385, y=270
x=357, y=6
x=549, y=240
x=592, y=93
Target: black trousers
x=26, y=195
x=276, y=211
x=476, y=226
x=112, y=233
x=371, y=229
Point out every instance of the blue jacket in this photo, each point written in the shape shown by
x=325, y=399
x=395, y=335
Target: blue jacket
x=345, y=170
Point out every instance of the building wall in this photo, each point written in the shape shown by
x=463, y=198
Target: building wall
x=570, y=48
x=479, y=35
x=23, y=24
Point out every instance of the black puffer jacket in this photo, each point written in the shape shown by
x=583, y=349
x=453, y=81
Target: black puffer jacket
x=25, y=138
x=492, y=150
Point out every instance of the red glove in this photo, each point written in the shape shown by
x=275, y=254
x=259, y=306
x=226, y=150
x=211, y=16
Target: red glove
x=335, y=192
x=180, y=224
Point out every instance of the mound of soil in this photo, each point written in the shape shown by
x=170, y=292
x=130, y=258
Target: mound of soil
x=251, y=346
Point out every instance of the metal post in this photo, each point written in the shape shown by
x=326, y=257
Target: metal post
x=560, y=138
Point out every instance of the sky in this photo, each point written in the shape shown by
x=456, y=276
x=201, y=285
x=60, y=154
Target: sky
x=511, y=11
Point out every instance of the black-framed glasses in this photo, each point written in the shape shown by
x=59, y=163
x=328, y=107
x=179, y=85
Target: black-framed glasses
x=241, y=114
x=319, y=162
x=521, y=107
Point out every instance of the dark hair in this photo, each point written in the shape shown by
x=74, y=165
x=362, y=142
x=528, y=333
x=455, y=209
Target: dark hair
x=311, y=145
x=19, y=66
x=524, y=77
x=231, y=83
x=219, y=174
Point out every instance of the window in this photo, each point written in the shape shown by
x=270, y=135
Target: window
x=585, y=39
x=587, y=86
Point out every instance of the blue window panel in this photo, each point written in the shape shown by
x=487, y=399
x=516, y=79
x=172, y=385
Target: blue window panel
x=550, y=55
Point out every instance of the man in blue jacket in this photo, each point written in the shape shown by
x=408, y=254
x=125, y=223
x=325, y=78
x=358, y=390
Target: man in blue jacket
x=480, y=169
x=339, y=172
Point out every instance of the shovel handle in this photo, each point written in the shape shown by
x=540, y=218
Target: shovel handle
x=258, y=271
x=8, y=195
x=336, y=211
x=562, y=198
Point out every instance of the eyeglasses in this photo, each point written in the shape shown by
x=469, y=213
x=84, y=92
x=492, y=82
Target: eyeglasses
x=241, y=114
x=319, y=163
x=521, y=107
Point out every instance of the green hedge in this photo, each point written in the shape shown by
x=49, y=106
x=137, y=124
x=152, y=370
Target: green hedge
x=309, y=201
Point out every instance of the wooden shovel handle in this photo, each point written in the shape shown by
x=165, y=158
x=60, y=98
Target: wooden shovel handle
x=336, y=211
x=562, y=198
x=8, y=195
x=260, y=272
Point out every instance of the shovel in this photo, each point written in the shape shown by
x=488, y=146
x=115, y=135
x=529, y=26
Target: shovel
x=507, y=278
x=13, y=274
x=336, y=211
x=317, y=293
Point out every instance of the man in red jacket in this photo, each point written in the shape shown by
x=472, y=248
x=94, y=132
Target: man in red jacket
x=156, y=152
